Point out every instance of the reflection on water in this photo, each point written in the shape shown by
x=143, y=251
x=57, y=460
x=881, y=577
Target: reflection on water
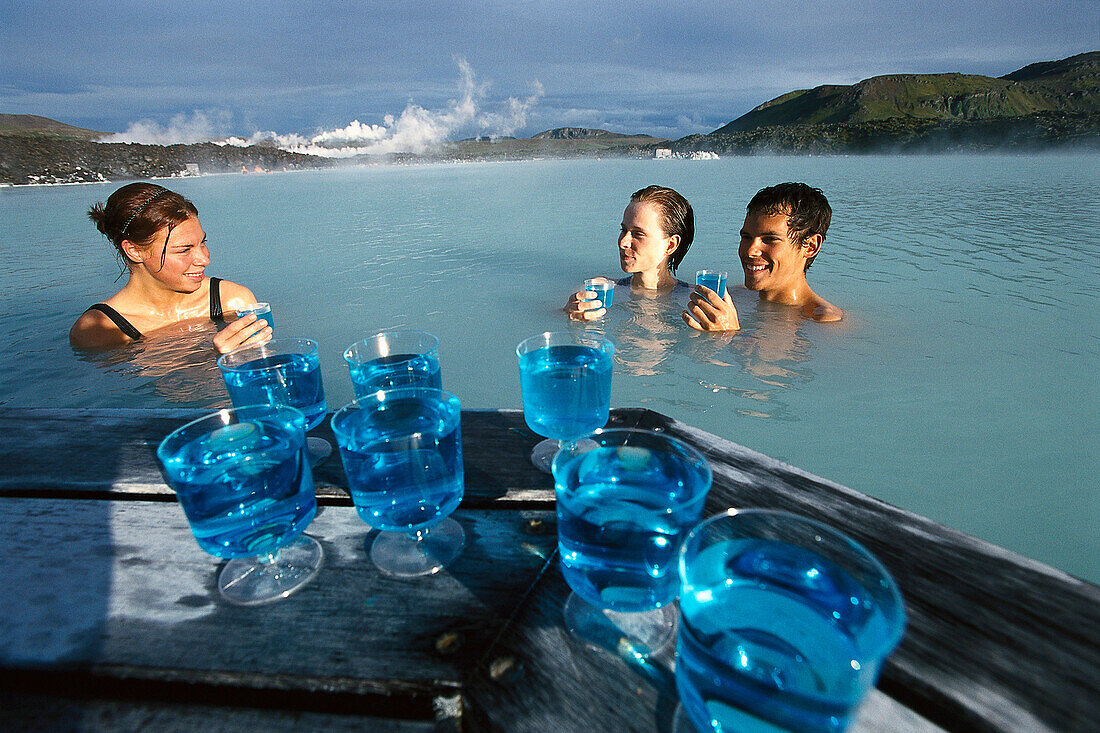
x=750, y=372
x=176, y=364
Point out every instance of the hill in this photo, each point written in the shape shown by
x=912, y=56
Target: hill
x=1067, y=87
x=44, y=126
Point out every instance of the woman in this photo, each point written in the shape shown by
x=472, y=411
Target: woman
x=658, y=227
x=157, y=235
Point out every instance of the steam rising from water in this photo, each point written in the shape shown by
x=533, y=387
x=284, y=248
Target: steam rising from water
x=415, y=130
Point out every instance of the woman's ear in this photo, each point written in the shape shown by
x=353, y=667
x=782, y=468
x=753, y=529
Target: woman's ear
x=673, y=244
x=133, y=252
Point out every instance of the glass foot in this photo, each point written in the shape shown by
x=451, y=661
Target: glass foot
x=407, y=557
x=543, y=454
x=681, y=723
x=318, y=449
x=629, y=635
x=250, y=582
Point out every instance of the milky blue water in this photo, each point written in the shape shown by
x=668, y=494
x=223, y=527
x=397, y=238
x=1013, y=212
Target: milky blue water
x=962, y=383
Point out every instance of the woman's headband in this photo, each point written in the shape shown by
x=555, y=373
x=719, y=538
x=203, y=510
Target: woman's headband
x=138, y=210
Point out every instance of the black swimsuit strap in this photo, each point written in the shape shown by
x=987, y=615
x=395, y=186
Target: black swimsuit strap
x=216, y=300
x=117, y=318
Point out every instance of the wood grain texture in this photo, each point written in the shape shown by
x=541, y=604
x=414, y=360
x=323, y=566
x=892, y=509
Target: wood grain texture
x=995, y=641
x=108, y=590
x=131, y=597
x=111, y=453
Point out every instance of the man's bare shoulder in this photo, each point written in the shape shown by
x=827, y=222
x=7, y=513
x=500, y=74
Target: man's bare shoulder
x=822, y=311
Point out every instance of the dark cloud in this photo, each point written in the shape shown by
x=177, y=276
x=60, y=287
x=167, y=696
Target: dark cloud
x=667, y=69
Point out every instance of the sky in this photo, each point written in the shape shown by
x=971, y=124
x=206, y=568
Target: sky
x=406, y=75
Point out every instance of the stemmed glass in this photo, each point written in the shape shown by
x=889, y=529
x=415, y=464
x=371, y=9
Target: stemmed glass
x=243, y=480
x=394, y=359
x=280, y=372
x=623, y=509
x=785, y=623
x=402, y=452
x=565, y=378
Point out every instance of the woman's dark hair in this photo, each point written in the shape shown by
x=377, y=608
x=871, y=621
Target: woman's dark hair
x=136, y=212
x=676, y=218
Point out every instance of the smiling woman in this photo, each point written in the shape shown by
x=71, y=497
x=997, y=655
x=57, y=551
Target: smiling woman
x=160, y=241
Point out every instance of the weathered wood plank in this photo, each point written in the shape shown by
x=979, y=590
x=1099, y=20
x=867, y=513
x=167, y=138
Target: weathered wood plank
x=111, y=453
x=995, y=641
x=538, y=677
x=120, y=591
x=79, y=710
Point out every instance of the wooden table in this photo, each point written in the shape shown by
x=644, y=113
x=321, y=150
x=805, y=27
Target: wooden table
x=109, y=618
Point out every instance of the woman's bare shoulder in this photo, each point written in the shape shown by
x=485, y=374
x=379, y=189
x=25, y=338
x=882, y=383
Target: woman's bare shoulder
x=235, y=295
x=95, y=330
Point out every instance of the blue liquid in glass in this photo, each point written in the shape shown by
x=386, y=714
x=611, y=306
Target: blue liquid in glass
x=774, y=635
x=293, y=380
x=622, y=513
x=714, y=281
x=404, y=462
x=246, y=488
x=396, y=370
x=566, y=390
x=604, y=291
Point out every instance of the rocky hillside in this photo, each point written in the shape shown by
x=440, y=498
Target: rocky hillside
x=1068, y=87
x=43, y=158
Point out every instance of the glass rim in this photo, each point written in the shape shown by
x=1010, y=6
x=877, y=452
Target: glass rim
x=584, y=338
x=711, y=272
x=253, y=307
x=395, y=392
x=900, y=618
x=432, y=338
x=223, y=360
x=686, y=448
x=608, y=284
x=226, y=413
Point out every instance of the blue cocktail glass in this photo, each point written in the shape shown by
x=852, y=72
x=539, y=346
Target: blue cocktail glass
x=603, y=288
x=623, y=508
x=402, y=452
x=243, y=480
x=260, y=310
x=713, y=279
x=280, y=372
x=785, y=623
x=565, y=378
x=394, y=359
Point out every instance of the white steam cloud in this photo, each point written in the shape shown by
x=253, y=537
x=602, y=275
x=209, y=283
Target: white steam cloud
x=197, y=127
x=415, y=130
x=418, y=130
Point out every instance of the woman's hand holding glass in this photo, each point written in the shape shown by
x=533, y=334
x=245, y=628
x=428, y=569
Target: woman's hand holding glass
x=708, y=312
x=586, y=305
x=247, y=331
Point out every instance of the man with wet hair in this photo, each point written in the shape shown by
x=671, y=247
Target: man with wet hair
x=784, y=229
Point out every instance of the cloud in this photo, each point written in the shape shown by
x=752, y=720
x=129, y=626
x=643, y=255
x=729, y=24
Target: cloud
x=416, y=129
x=185, y=129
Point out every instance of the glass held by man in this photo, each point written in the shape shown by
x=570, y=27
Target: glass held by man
x=623, y=508
x=402, y=452
x=785, y=624
x=244, y=482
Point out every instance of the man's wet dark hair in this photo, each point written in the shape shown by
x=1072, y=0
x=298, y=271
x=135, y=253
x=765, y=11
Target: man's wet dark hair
x=676, y=218
x=807, y=210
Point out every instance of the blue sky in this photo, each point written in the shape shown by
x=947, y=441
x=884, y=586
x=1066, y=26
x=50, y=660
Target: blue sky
x=438, y=70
